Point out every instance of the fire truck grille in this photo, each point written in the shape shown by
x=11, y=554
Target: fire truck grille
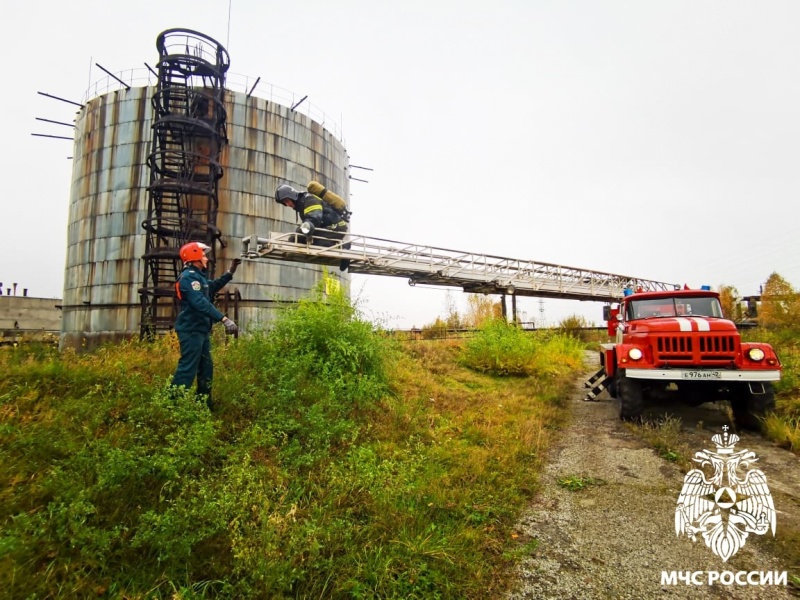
x=697, y=349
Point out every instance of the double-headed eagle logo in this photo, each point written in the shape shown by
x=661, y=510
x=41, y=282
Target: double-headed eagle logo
x=727, y=505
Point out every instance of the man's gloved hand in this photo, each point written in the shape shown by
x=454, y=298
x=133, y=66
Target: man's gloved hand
x=230, y=326
x=234, y=265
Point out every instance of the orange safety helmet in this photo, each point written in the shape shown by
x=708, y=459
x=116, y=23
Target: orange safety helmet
x=193, y=251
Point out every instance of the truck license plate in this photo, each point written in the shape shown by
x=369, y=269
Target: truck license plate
x=702, y=375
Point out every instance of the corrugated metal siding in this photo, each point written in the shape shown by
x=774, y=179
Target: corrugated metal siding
x=268, y=145
x=107, y=206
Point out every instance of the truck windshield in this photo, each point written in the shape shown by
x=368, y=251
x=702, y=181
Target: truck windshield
x=674, y=307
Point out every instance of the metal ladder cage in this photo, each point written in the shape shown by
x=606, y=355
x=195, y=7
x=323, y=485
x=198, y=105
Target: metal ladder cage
x=188, y=134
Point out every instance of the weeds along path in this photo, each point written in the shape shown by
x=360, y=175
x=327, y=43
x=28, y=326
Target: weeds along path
x=607, y=529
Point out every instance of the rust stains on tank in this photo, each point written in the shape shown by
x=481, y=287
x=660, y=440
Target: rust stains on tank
x=269, y=145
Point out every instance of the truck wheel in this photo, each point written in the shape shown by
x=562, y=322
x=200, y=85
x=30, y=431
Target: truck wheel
x=631, y=403
x=611, y=388
x=749, y=408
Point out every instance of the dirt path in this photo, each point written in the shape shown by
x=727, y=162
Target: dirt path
x=614, y=538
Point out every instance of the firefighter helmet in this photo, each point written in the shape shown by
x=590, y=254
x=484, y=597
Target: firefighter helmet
x=286, y=192
x=193, y=251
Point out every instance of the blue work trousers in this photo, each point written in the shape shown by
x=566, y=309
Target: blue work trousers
x=195, y=362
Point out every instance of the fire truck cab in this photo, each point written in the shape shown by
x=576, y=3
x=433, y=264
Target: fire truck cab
x=676, y=345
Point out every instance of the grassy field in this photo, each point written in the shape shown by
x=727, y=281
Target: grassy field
x=783, y=427
x=337, y=464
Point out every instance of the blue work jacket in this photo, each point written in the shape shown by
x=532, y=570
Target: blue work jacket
x=195, y=291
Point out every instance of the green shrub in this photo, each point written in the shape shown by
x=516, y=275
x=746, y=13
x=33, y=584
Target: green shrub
x=435, y=331
x=783, y=426
x=501, y=348
x=575, y=326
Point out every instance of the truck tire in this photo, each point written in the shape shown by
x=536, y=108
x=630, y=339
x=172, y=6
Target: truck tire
x=631, y=403
x=749, y=408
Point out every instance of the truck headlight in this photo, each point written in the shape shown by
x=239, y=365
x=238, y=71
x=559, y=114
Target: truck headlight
x=756, y=354
x=635, y=354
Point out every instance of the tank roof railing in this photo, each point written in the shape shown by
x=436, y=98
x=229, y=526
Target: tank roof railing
x=235, y=82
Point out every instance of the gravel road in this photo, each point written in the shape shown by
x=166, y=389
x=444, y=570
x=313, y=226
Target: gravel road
x=613, y=539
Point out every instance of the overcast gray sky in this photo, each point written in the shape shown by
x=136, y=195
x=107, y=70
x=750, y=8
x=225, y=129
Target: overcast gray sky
x=654, y=139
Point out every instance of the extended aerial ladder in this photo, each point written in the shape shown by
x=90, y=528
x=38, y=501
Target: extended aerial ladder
x=475, y=273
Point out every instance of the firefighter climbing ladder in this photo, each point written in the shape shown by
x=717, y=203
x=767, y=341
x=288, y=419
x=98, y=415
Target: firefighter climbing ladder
x=475, y=273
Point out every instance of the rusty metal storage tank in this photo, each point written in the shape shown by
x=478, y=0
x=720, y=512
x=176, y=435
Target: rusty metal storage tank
x=268, y=144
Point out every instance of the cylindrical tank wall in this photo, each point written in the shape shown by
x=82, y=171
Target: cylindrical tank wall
x=268, y=145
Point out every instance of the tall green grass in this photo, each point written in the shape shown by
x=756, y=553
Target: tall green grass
x=783, y=426
x=336, y=465
x=504, y=349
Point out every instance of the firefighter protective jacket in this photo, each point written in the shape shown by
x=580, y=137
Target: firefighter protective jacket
x=195, y=291
x=313, y=208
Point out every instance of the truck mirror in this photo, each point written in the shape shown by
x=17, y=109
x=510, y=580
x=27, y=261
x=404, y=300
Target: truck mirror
x=606, y=313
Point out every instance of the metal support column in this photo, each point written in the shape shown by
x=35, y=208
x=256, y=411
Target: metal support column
x=514, y=309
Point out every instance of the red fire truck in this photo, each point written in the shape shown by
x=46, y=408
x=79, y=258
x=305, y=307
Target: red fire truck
x=676, y=345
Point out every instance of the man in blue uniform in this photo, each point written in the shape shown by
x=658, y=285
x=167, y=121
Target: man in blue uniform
x=197, y=315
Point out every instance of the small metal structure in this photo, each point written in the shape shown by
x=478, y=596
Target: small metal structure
x=475, y=273
x=188, y=135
